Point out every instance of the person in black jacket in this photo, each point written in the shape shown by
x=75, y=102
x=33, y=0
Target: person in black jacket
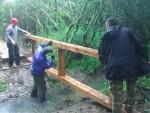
x=121, y=53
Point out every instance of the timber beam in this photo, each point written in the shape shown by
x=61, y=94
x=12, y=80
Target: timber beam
x=67, y=46
x=88, y=91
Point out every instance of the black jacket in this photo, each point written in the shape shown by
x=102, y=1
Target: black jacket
x=121, y=53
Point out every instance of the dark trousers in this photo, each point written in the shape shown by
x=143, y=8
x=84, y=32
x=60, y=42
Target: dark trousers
x=14, y=54
x=116, y=88
x=39, y=86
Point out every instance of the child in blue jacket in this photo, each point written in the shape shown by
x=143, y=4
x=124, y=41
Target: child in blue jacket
x=39, y=64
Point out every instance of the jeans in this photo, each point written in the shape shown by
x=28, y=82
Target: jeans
x=14, y=54
x=116, y=88
x=39, y=87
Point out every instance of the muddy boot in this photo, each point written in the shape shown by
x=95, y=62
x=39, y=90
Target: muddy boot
x=10, y=65
x=128, y=109
x=42, y=89
x=42, y=95
x=42, y=99
x=34, y=93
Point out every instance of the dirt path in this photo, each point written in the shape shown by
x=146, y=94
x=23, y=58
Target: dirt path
x=18, y=81
x=60, y=98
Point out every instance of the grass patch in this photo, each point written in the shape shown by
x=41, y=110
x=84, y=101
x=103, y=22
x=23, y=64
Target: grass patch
x=3, y=86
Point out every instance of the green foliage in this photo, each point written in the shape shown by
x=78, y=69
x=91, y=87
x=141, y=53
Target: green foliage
x=78, y=36
x=144, y=81
x=106, y=88
x=3, y=86
x=95, y=43
x=59, y=35
x=90, y=64
x=87, y=64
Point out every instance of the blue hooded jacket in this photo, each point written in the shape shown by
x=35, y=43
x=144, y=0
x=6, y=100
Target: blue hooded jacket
x=40, y=62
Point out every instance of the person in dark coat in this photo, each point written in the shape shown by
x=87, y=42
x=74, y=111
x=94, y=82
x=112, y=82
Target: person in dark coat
x=39, y=63
x=121, y=53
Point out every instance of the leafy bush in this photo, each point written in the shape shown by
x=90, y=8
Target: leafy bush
x=86, y=64
x=144, y=82
x=106, y=88
x=3, y=86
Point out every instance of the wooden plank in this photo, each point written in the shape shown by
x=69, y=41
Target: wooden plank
x=52, y=72
x=33, y=47
x=29, y=59
x=110, y=97
x=88, y=91
x=67, y=46
x=61, y=63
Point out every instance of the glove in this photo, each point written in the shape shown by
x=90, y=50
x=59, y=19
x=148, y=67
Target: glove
x=50, y=43
x=53, y=57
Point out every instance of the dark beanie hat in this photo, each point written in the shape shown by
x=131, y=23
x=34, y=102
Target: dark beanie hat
x=47, y=50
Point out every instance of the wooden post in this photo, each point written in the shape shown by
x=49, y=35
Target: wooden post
x=110, y=97
x=33, y=47
x=61, y=62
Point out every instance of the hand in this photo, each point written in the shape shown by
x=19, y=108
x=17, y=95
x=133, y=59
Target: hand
x=13, y=42
x=53, y=57
x=50, y=43
x=28, y=33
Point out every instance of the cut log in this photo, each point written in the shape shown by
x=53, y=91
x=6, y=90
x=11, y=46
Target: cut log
x=88, y=91
x=67, y=46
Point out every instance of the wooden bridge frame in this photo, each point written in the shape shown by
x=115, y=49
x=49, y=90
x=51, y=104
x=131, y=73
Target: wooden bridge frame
x=60, y=72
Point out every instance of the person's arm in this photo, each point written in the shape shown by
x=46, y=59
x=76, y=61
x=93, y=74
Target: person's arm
x=49, y=64
x=139, y=46
x=22, y=30
x=12, y=41
x=101, y=51
x=104, y=49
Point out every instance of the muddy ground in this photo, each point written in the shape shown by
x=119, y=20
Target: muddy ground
x=60, y=98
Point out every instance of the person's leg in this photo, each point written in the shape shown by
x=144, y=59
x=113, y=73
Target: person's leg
x=129, y=104
x=117, y=99
x=42, y=88
x=17, y=55
x=10, y=53
x=34, y=89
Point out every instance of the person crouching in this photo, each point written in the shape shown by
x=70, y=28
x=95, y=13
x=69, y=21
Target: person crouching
x=40, y=62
